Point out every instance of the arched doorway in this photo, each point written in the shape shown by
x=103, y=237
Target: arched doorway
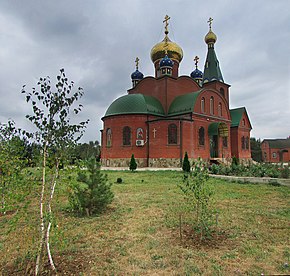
x=217, y=131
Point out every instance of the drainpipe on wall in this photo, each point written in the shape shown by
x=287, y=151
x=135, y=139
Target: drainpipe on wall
x=148, y=142
x=180, y=141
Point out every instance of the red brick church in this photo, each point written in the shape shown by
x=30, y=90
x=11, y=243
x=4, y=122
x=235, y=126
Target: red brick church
x=162, y=117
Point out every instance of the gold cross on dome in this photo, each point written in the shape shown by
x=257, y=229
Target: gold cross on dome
x=196, y=59
x=166, y=19
x=210, y=22
x=137, y=62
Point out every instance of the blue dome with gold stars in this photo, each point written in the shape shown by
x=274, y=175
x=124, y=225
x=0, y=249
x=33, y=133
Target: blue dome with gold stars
x=137, y=75
x=196, y=74
x=166, y=62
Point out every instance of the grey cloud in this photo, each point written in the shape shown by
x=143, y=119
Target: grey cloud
x=97, y=42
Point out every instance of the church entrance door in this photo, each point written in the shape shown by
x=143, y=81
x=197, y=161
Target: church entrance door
x=213, y=141
x=281, y=155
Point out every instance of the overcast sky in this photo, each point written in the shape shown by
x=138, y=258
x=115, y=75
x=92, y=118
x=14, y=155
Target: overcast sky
x=97, y=41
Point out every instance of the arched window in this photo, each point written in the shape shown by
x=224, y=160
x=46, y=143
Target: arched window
x=247, y=143
x=201, y=136
x=202, y=105
x=220, y=111
x=225, y=141
x=109, y=137
x=243, y=143
x=222, y=91
x=172, y=134
x=211, y=106
x=126, y=136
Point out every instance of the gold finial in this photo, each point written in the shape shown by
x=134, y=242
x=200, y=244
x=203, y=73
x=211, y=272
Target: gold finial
x=166, y=19
x=210, y=38
x=137, y=62
x=196, y=61
x=210, y=22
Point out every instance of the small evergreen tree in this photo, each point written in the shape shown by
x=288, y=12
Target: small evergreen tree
x=92, y=193
x=133, y=164
x=186, y=164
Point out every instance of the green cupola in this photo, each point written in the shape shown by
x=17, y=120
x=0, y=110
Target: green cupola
x=212, y=71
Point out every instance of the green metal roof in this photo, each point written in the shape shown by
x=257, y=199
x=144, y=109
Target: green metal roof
x=236, y=115
x=278, y=143
x=183, y=104
x=135, y=104
x=212, y=69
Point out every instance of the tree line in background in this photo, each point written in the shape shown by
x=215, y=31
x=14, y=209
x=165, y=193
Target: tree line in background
x=30, y=152
x=256, y=150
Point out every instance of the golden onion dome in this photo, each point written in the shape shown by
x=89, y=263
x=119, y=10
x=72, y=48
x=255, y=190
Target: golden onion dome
x=210, y=37
x=166, y=46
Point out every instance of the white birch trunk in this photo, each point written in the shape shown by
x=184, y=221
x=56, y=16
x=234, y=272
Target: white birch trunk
x=3, y=197
x=42, y=225
x=52, y=189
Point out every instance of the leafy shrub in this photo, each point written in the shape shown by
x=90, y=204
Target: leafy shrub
x=272, y=171
x=285, y=172
x=214, y=169
x=255, y=170
x=198, y=197
x=236, y=169
x=225, y=170
x=235, y=161
x=92, y=192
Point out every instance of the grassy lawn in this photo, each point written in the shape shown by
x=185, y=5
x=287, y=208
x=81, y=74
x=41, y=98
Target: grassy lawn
x=139, y=233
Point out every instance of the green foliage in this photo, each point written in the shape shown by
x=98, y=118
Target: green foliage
x=11, y=164
x=32, y=153
x=251, y=169
x=235, y=161
x=84, y=151
x=133, y=164
x=92, y=193
x=198, y=195
x=52, y=113
x=256, y=151
x=214, y=169
x=285, y=172
x=186, y=164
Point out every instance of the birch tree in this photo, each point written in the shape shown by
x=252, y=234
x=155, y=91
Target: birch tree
x=52, y=110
